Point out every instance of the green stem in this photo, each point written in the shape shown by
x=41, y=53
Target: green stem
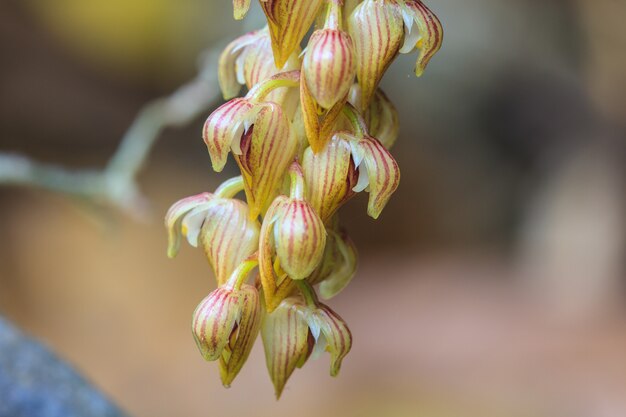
x=240, y=275
x=230, y=188
x=284, y=79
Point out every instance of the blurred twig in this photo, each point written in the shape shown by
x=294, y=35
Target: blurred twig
x=116, y=184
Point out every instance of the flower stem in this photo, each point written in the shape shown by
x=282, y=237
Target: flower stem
x=308, y=293
x=284, y=79
x=230, y=188
x=240, y=275
x=298, y=186
x=356, y=120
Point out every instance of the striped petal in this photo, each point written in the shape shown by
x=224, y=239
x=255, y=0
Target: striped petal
x=334, y=335
x=289, y=21
x=214, y=321
x=383, y=120
x=423, y=30
x=267, y=149
x=330, y=176
x=329, y=66
x=174, y=219
x=300, y=238
x=379, y=171
x=228, y=236
x=377, y=30
x=319, y=124
x=241, y=8
x=230, y=83
x=224, y=128
x=276, y=284
x=285, y=335
x=236, y=353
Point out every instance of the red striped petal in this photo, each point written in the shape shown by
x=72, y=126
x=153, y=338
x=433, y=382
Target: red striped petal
x=175, y=216
x=377, y=30
x=285, y=339
x=330, y=176
x=224, y=126
x=289, y=21
x=430, y=32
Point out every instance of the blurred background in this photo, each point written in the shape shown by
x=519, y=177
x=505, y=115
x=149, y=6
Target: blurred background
x=492, y=285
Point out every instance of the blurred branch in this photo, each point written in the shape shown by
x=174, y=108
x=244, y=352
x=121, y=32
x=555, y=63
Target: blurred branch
x=116, y=184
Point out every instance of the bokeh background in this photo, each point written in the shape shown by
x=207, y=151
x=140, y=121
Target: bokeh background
x=493, y=284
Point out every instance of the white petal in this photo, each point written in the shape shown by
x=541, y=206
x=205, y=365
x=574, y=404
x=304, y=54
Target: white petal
x=192, y=224
x=410, y=39
x=239, y=67
x=319, y=348
x=363, y=182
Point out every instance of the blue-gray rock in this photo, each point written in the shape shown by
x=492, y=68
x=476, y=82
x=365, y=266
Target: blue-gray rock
x=35, y=383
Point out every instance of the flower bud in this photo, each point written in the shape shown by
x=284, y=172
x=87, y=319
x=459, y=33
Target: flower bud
x=242, y=339
x=377, y=29
x=329, y=66
x=330, y=176
x=214, y=321
x=289, y=21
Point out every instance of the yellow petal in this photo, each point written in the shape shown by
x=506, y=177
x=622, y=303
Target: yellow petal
x=377, y=30
x=223, y=128
x=285, y=336
x=330, y=176
x=289, y=21
x=246, y=333
x=214, y=320
x=300, y=238
x=329, y=66
x=228, y=236
x=266, y=152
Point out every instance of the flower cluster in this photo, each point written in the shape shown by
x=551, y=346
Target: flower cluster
x=313, y=130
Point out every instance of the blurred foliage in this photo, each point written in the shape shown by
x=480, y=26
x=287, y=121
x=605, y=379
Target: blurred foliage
x=157, y=37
